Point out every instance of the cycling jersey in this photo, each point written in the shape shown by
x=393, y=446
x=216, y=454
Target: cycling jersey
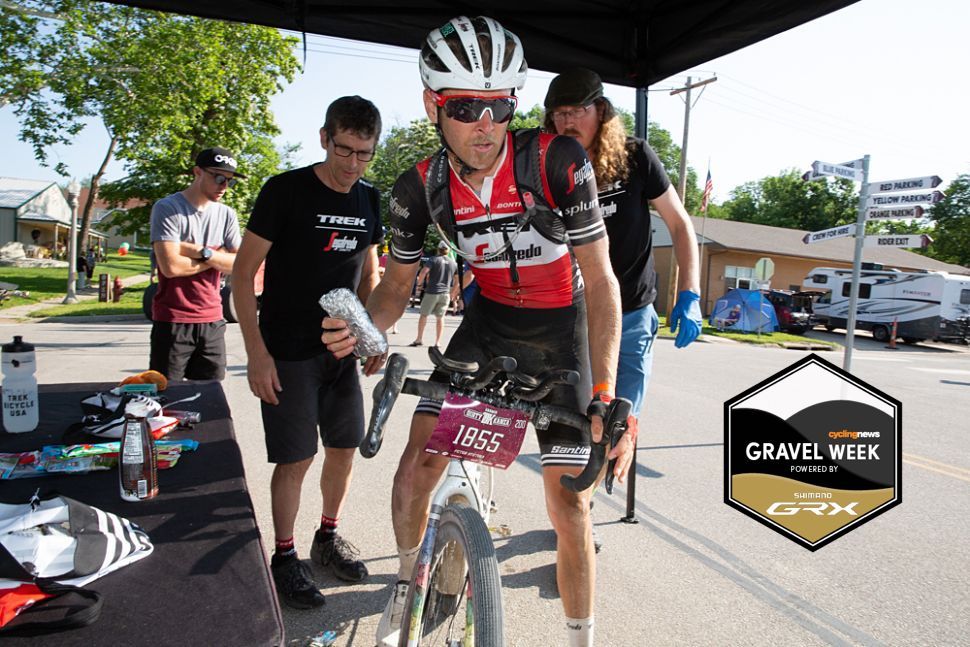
x=544, y=274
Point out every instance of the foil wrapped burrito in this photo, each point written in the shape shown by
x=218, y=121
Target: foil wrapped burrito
x=344, y=304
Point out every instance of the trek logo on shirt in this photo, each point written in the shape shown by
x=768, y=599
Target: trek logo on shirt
x=346, y=221
x=580, y=176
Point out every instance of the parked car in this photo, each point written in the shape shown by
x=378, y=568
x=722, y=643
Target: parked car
x=793, y=309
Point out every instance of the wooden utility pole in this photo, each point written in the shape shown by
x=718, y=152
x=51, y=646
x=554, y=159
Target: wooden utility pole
x=682, y=182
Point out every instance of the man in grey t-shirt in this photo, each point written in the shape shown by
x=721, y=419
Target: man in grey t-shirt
x=436, y=276
x=194, y=240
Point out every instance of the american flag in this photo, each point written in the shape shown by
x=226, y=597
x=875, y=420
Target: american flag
x=708, y=187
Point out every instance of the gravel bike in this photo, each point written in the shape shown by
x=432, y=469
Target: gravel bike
x=455, y=594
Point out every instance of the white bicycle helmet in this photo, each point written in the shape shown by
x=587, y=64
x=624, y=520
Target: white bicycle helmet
x=472, y=54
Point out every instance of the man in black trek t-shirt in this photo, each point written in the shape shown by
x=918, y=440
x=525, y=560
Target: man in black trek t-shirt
x=318, y=229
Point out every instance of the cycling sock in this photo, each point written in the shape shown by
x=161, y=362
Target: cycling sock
x=408, y=557
x=580, y=632
x=328, y=525
x=285, y=547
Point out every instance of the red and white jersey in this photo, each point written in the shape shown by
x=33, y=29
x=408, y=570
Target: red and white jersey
x=547, y=276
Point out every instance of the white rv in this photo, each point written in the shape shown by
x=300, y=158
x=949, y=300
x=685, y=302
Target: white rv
x=925, y=305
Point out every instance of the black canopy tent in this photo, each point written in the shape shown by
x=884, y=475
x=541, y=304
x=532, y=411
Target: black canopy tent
x=628, y=43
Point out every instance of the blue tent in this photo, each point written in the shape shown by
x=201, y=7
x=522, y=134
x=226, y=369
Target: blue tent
x=744, y=311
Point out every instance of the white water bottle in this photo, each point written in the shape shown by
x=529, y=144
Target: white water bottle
x=19, y=386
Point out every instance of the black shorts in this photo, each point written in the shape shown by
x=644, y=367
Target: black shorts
x=321, y=397
x=539, y=340
x=191, y=351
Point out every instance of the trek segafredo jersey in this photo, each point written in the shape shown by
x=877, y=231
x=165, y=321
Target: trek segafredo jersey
x=547, y=273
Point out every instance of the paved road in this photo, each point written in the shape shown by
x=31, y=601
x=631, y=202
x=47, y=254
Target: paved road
x=693, y=571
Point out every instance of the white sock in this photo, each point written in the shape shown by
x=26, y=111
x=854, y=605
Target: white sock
x=407, y=557
x=580, y=632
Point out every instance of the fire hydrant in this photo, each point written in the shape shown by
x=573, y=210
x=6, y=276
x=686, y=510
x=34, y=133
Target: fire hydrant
x=117, y=290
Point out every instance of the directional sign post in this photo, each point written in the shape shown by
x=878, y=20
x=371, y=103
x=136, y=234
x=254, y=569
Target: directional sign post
x=908, y=240
x=837, y=170
x=904, y=199
x=895, y=214
x=860, y=231
x=910, y=184
x=828, y=234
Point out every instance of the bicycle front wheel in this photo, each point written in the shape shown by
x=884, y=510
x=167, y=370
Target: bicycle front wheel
x=462, y=594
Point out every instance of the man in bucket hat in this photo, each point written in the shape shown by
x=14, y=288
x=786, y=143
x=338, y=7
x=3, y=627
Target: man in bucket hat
x=194, y=239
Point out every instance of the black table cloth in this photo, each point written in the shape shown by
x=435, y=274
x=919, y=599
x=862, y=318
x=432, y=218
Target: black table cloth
x=207, y=581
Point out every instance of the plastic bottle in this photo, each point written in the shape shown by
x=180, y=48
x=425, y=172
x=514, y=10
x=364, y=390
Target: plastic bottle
x=138, y=458
x=19, y=386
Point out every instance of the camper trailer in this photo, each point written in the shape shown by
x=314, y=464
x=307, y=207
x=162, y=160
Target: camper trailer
x=924, y=305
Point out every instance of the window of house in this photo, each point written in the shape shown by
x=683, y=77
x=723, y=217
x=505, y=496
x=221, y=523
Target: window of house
x=739, y=277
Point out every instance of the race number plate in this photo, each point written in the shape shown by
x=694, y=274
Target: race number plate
x=474, y=431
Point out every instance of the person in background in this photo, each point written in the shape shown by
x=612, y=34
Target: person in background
x=437, y=276
x=194, y=240
x=630, y=179
x=91, y=262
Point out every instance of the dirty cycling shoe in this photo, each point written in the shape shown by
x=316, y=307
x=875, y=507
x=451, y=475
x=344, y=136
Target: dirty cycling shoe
x=389, y=628
x=339, y=555
x=294, y=583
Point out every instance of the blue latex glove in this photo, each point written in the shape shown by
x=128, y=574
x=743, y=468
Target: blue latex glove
x=687, y=316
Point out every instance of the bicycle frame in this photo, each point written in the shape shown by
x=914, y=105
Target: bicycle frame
x=462, y=483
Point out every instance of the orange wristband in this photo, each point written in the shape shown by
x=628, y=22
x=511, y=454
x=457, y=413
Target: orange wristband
x=603, y=387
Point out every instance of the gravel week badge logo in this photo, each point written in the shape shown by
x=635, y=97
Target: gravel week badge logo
x=812, y=452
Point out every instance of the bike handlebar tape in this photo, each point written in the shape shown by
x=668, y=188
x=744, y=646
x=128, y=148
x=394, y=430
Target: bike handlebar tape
x=385, y=395
x=344, y=304
x=614, y=426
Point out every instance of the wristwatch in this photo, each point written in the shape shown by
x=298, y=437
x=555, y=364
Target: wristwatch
x=206, y=254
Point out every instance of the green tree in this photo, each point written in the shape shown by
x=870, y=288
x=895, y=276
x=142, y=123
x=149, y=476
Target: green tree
x=531, y=119
x=951, y=220
x=163, y=86
x=788, y=201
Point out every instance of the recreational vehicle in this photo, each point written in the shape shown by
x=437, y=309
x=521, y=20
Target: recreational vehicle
x=924, y=305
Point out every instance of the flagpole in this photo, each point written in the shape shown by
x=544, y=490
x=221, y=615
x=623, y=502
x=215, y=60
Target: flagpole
x=704, y=227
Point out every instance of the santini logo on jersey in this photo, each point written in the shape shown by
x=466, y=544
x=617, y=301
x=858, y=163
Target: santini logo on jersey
x=398, y=210
x=578, y=177
x=608, y=209
x=346, y=221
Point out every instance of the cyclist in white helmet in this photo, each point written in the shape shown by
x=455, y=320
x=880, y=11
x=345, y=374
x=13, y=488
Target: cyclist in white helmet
x=516, y=230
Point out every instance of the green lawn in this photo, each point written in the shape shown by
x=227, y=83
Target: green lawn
x=748, y=338
x=47, y=282
x=130, y=304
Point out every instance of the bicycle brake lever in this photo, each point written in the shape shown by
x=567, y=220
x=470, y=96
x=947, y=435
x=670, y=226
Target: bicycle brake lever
x=614, y=427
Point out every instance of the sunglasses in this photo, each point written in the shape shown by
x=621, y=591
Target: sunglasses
x=468, y=108
x=221, y=179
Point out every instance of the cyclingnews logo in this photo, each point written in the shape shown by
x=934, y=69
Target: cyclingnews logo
x=812, y=452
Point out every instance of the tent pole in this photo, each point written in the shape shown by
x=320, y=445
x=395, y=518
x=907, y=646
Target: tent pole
x=640, y=128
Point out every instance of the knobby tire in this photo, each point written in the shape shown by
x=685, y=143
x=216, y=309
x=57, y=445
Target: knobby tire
x=460, y=526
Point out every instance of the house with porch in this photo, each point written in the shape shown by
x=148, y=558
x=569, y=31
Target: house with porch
x=36, y=213
x=728, y=251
